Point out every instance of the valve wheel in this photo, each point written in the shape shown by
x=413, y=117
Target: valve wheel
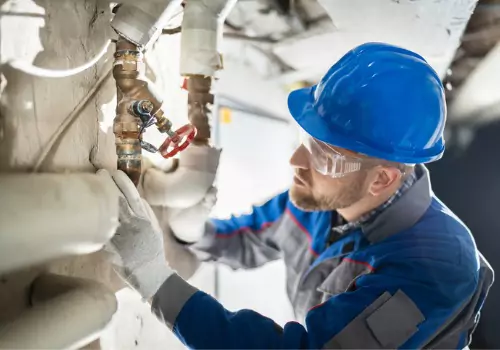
x=174, y=144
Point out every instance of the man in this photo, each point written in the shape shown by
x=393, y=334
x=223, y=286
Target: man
x=374, y=259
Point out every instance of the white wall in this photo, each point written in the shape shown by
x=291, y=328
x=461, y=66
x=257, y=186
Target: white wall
x=254, y=167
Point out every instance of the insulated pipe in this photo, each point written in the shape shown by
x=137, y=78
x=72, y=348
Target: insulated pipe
x=142, y=24
x=201, y=35
x=67, y=313
x=188, y=184
x=48, y=216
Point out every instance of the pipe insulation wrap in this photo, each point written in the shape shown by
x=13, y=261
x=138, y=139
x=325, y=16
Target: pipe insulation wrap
x=188, y=224
x=48, y=216
x=69, y=313
x=201, y=35
x=188, y=184
x=142, y=25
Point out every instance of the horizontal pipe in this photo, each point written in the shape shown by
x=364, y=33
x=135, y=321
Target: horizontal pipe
x=49, y=216
x=67, y=313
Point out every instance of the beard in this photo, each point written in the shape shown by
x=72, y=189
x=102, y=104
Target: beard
x=343, y=193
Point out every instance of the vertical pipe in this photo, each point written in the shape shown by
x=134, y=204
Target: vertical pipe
x=200, y=60
x=126, y=70
x=200, y=99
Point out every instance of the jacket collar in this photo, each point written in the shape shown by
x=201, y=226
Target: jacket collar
x=405, y=212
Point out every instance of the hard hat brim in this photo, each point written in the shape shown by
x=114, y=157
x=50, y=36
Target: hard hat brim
x=301, y=107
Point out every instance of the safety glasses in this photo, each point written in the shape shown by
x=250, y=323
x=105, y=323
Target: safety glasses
x=328, y=161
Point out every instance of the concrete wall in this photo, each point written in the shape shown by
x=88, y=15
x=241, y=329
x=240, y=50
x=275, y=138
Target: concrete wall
x=60, y=35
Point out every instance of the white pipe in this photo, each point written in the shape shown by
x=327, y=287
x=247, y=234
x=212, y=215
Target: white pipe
x=48, y=216
x=182, y=260
x=201, y=35
x=188, y=184
x=142, y=22
x=30, y=69
x=67, y=314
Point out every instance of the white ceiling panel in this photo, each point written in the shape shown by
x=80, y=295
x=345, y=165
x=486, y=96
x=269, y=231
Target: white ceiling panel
x=432, y=28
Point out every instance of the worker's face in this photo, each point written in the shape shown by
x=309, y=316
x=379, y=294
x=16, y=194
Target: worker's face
x=313, y=191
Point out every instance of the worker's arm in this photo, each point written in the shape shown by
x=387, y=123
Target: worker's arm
x=244, y=241
x=189, y=195
x=404, y=300
x=384, y=309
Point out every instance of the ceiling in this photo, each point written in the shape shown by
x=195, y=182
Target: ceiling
x=294, y=42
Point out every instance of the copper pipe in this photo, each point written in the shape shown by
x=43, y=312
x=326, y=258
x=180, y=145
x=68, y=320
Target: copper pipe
x=132, y=86
x=199, y=101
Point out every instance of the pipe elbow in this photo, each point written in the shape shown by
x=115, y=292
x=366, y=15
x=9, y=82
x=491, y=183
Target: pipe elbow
x=186, y=186
x=141, y=25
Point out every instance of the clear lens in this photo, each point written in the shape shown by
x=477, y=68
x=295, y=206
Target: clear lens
x=328, y=161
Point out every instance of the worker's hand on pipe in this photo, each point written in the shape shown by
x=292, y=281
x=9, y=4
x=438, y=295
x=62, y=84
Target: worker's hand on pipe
x=138, y=241
x=188, y=225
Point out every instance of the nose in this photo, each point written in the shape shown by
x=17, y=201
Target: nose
x=300, y=158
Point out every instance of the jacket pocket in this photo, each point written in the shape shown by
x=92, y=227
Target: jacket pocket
x=343, y=277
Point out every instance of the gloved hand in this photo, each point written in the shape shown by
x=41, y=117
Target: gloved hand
x=188, y=224
x=138, y=241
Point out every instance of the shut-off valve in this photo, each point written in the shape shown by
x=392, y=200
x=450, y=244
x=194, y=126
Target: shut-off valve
x=139, y=106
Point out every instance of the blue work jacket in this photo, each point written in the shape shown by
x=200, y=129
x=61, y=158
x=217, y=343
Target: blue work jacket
x=412, y=278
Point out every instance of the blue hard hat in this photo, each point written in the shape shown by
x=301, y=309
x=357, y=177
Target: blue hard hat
x=379, y=100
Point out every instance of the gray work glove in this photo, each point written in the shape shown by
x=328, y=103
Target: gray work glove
x=138, y=242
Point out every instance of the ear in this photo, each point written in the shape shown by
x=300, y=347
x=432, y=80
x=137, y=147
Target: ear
x=384, y=178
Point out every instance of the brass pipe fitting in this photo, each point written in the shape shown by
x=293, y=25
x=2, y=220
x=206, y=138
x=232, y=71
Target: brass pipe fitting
x=126, y=125
x=199, y=101
x=127, y=141
x=132, y=86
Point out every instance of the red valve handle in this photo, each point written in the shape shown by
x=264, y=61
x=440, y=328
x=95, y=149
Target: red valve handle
x=183, y=137
x=184, y=85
